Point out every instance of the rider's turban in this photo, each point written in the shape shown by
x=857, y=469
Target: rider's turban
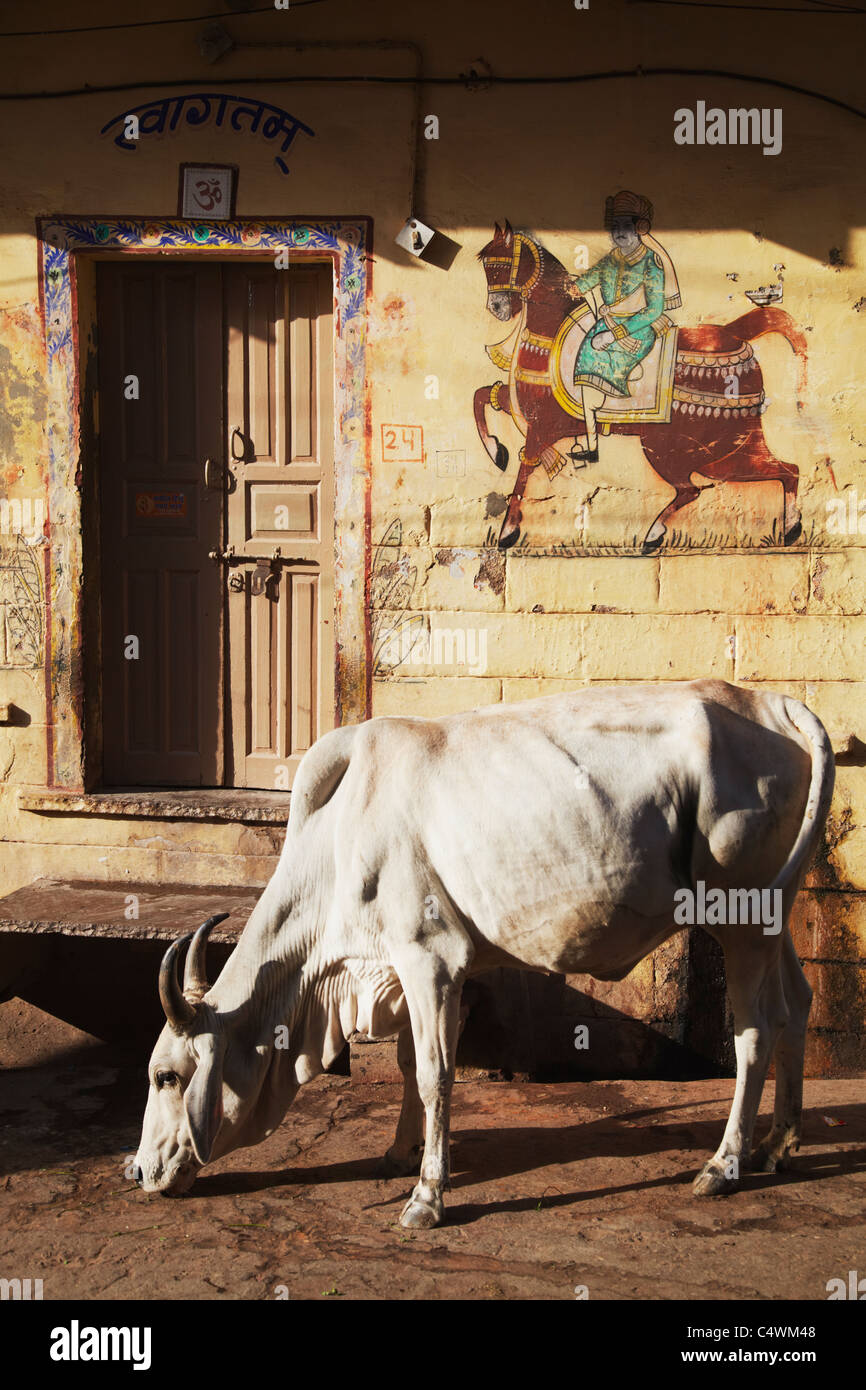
x=626, y=204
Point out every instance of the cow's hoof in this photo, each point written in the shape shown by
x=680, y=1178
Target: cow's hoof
x=711, y=1182
x=794, y=534
x=650, y=547
x=422, y=1213
x=396, y=1165
x=768, y=1160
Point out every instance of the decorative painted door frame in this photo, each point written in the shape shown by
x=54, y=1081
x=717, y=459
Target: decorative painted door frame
x=346, y=242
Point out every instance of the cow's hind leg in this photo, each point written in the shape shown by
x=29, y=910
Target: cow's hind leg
x=753, y=968
x=783, y=1139
x=432, y=988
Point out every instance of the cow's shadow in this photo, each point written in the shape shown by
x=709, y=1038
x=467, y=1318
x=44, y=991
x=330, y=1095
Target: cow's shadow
x=481, y=1156
x=807, y=1169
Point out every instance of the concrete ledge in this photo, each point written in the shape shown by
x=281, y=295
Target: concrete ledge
x=69, y=948
x=225, y=804
x=59, y=907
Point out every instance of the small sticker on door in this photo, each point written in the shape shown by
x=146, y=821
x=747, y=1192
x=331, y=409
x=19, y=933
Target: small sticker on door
x=156, y=505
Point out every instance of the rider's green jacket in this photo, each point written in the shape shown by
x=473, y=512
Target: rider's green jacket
x=634, y=318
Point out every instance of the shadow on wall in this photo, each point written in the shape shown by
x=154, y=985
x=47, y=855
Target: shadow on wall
x=106, y=988
x=546, y=1028
x=520, y=1025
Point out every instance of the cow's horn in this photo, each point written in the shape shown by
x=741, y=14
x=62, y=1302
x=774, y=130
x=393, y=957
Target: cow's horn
x=195, y=975
x=179, y=1011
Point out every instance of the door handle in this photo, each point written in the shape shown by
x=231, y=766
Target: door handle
x=237, y=433
x=213, y=474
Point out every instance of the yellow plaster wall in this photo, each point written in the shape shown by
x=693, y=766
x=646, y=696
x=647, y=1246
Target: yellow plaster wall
x=545, y=157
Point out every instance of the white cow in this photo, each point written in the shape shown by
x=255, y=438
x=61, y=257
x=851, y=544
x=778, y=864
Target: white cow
x=555, y=835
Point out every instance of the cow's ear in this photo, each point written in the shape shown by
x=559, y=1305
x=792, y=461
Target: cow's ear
x=203, y=1098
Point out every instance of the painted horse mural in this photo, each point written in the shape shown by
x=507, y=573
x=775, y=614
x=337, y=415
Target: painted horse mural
x=701, y=428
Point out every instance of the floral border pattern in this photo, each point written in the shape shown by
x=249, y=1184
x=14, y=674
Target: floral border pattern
x=346, y=241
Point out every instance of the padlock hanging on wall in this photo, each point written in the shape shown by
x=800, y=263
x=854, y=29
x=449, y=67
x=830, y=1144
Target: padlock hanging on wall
x=414, y=236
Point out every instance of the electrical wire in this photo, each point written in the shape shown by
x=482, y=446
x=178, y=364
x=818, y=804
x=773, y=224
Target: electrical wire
x=462, y=81
x=389, y=45
x=828, y=7
x=150, y=23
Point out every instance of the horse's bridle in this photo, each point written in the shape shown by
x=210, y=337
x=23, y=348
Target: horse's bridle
x=513, y=261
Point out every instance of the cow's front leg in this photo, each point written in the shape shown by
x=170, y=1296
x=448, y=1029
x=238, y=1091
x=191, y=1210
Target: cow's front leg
x=433, y=994
x=404, y=1155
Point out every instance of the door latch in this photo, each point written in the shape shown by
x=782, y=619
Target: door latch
x=260, y=576
x=214, y=475
x=263, y=570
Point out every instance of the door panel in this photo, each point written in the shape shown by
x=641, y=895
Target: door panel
x=280, y=513
x=234, y=362
x=161, y=710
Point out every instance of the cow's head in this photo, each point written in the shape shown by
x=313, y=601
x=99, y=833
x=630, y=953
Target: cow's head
x=205, y=1077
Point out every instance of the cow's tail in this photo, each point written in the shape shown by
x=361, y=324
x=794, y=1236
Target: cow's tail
x=820, y=793
x=320, y=773
x=767, y=319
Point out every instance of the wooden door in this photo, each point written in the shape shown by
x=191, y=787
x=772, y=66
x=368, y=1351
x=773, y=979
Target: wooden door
x=280, y=517
x=161, y=407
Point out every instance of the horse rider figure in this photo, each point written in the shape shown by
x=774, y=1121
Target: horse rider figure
x=636, y=282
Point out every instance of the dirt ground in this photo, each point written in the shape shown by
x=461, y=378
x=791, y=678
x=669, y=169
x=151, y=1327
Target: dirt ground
x=554, y=1187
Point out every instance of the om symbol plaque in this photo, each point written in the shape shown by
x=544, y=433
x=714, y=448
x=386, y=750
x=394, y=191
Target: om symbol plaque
x=207, y=191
